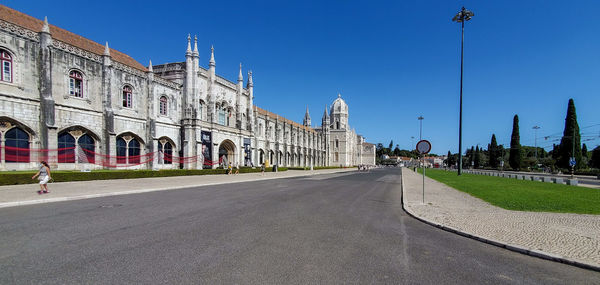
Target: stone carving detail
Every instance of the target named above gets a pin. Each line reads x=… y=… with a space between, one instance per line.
x=226 y=82
x=19 y=31
x=76 y=133
x=125 y=68
x=4 y=126
x=75 y=50
x=167 y=83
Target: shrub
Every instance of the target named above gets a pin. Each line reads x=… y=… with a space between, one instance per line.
x=14 y=178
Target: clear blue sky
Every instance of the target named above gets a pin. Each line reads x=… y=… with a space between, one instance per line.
x=391 y=60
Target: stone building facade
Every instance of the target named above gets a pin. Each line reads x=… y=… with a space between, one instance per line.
x=83 y=105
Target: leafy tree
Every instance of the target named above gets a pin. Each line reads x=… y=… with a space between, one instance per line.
x=596 y=157
x=397 y=150
x=515 y=146
x=584 y=151
x=571 y=139
x=379 y=150
x=493 y=152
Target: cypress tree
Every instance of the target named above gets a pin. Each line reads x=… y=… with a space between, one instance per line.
x=570 y=135
x=493 y=152
x=584 y=151
x=477 y=157
x=471 y=156
x=515 y=146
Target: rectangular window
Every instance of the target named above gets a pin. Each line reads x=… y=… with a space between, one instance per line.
x=7 y=72
x=221 y=117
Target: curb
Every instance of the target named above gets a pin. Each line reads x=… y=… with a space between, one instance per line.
x=139 y=191
x=511 y=247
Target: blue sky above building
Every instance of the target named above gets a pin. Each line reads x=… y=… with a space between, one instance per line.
x=391 y=60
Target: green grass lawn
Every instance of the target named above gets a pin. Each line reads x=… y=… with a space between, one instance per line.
x=522 y=195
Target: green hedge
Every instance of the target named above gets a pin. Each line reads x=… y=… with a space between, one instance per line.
x=14 y=178
x=319 y=167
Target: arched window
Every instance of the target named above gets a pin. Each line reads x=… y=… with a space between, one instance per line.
x=87 y=144
x=167 y=150
x=17 y=145
x=76 y=84
x=134 y=151
x=337 y=125
x=337 y=143
x=127 y=96
x=163 y=105
x=66 y=148
x=128 y=152
x=7 y=66
x=121 y=150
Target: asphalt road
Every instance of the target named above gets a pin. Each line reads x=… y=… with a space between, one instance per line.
x=327 y=229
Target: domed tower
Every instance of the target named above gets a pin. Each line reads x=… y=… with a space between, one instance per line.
x=339 y=114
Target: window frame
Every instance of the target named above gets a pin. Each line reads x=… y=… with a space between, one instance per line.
x=163 y=105
x=127 y=96
x=6 y=58
x=76 y=76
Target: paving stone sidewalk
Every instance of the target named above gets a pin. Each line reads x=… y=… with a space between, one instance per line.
x=569 y=237
x=18 y=195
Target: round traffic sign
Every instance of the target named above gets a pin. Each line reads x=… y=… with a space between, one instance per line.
x=423 y=146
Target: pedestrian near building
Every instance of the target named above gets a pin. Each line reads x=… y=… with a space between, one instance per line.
x=44 y=176
x=237 y=168
x=262 y=169
x=229 y=169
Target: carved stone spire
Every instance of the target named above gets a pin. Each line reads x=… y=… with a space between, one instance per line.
x=240 y=77
x=250 y=83
x=189 y=46
x=325 y=115
x=46 y=27
x=195 y=45
x=212 y=56
x=306 y=121
x=106 y=49
x=150 y=67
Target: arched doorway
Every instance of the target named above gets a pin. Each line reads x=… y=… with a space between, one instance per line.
x=261 y=157
x=227 y=152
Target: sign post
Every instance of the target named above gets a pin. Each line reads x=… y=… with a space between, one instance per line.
x=423 y=147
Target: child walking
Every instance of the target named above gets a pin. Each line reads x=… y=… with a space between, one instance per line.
x=44 y=177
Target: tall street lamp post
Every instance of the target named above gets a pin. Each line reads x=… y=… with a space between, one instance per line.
x=420 y=118
x=536 y=128
x=461 y=17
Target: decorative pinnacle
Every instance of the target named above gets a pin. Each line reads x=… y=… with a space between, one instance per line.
x=189 y=46
x=339 y=95
x=195 y=45
x=212 y=56
x=46 y=27
x=106 y=49
x=150 y=67
x=250 y=83
x=240 y=77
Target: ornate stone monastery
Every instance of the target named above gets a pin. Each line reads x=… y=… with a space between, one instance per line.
x=83 y=105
